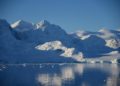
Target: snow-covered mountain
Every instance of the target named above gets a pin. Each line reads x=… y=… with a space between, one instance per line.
x=14 y=50
x=38 y=33
x=111 y=37
x=23 y=41
x=22 y=26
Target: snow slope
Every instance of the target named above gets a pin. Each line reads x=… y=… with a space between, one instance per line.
x=61 y=49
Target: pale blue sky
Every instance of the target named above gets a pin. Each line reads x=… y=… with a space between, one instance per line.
x=71 y=15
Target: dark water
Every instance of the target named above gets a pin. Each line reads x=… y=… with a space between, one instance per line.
x=60 y=75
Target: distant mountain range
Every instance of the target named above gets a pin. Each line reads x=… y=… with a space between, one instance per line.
x=24 y=42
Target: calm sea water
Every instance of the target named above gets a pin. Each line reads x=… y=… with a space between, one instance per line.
x=60 y=75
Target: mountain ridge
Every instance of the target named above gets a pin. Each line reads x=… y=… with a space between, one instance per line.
x=45 y=40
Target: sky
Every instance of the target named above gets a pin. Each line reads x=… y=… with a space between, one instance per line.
x=71 y=15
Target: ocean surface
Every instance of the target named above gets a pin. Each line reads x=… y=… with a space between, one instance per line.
x=60 y=74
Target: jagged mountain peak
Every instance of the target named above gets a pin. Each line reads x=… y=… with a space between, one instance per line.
x=22 y=25
x=20 y=22
x=42 y=24
x=49 y=28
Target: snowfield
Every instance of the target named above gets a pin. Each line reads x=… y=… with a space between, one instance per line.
x=25 y=42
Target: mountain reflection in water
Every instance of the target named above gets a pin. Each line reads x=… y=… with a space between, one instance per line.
x=62 y=74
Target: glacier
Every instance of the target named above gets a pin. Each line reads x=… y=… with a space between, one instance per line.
x=26 y=42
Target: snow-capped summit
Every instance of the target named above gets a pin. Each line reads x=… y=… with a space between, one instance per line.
x=22 y=25
x=49 y=28
x=109 y=31
x=107 y=34
x=42 y=24
x=81 y=33
x=104 y=30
